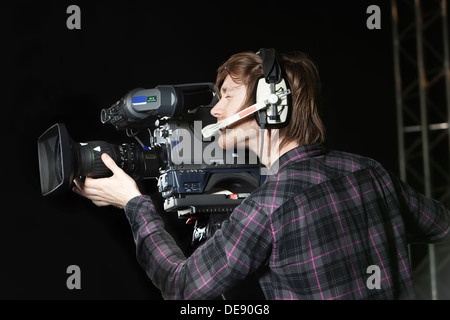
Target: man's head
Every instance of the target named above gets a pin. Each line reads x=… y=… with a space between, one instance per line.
x=236 y=83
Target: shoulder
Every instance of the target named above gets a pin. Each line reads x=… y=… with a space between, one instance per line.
x=275 y=191
x=350 y=161
x=299 y=176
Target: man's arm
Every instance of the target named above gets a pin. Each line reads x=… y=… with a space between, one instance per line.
x=235 y=251
x=426 y=220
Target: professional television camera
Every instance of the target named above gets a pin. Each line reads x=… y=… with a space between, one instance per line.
x=166 y=124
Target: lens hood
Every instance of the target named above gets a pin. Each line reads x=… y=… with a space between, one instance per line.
x=55 y=160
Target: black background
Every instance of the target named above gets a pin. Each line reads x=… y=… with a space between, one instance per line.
x=53 y=74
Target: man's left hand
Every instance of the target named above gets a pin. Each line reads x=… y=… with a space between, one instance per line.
x=116 y=190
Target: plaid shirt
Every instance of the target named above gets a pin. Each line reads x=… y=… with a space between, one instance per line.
x=311 y=231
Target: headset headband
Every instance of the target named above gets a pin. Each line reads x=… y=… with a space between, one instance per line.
x=271 y=66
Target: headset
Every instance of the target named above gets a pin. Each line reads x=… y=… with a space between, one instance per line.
x=273 y=101
x=277 y=114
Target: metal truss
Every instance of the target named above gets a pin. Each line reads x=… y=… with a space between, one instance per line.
x=422 y=84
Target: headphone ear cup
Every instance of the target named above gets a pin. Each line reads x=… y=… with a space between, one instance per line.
x=282 y=109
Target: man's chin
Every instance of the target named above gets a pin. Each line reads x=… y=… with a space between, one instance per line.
x=222 y=141
x=226 y=141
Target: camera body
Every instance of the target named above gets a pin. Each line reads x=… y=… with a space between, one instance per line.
x=194 y=175
x=199 y=168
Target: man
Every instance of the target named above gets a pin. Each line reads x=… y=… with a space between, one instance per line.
x=311 y=231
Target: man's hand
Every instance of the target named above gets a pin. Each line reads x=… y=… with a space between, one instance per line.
x=116 y=190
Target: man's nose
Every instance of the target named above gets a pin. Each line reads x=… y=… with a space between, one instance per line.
x=217 y=110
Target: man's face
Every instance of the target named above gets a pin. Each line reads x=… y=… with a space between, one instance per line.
x=232 y=97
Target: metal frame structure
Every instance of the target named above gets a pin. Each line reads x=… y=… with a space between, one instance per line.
x=422 y=84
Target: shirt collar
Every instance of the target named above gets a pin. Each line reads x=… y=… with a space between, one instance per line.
x=297 y=154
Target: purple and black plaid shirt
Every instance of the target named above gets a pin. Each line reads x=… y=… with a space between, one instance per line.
x=311 y=231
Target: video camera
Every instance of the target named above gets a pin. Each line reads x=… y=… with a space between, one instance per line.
x=166 y=124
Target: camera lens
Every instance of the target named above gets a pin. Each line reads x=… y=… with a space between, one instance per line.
x=88 y=159
x=128 y=156
x=61 y=159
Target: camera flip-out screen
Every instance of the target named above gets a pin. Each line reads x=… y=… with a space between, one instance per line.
x=54 y=159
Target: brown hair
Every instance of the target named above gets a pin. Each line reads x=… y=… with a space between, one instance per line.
x=305 y=125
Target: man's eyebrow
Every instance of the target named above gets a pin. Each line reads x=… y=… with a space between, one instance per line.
x=224 y=90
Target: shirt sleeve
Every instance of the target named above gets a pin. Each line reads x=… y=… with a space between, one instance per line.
x=240 y=247
x=426 y=220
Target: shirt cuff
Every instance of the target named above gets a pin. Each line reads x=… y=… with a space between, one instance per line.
x=135 y=205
